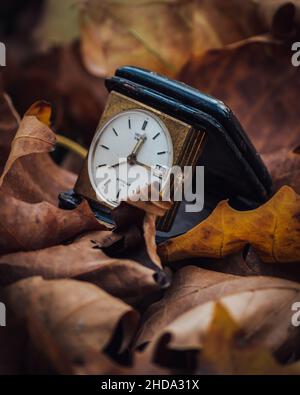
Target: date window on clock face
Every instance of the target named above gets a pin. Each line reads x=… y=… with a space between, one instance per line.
x=160 y=174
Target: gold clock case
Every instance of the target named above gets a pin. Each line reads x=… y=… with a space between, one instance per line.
x=187 y=147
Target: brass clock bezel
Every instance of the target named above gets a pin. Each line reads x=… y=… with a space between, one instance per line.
x=187 y=147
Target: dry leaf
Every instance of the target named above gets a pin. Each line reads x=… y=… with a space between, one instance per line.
x=261 y=86
x=272 y=230
x=225 y=351
x=24 y=172
x=25 y=180
x=32 y=137
x=82 y=326
x=122 y=278
x=136 y=222
x=161 y=35
x=262 y=307
x=25 y=226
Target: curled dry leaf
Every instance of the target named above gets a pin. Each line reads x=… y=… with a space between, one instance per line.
x=136 y=224
x=284 y=166
x=33 y=135
x=122 y=278
x=261 y=306
x=75 y=330
x=24 y=172
x=225 y=352
x=260 y=84
x=152 y=209
x=272 y=230
x=30 y=183
x=161 y=35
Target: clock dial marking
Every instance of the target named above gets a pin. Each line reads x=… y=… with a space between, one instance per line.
x=129 y=123
x=155 y=137
x=104 y=146
x=161 y=152
x=115 y=132
x=144 y=125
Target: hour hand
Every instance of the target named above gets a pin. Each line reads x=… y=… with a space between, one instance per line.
x=132 y=157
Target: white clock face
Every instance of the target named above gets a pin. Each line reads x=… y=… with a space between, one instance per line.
x=130 y=151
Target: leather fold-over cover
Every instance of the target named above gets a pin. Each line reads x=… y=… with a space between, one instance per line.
x=233 y=168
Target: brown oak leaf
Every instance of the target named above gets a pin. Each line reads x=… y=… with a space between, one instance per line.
x=122 y=278
x=68 y=334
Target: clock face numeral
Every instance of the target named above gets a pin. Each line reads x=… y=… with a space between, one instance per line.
x=134 y=141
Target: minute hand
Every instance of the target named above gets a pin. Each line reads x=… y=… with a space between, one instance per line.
x=144 y=165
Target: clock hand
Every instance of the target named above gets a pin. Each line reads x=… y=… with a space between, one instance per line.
x=132 y=157
x=136 y=162
x=119 y=163
x=143 y=164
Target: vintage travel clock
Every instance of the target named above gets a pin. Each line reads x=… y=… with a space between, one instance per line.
x=151 y=123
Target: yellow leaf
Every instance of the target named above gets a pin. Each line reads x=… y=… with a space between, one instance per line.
x=225 y=351
x=272 y=229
